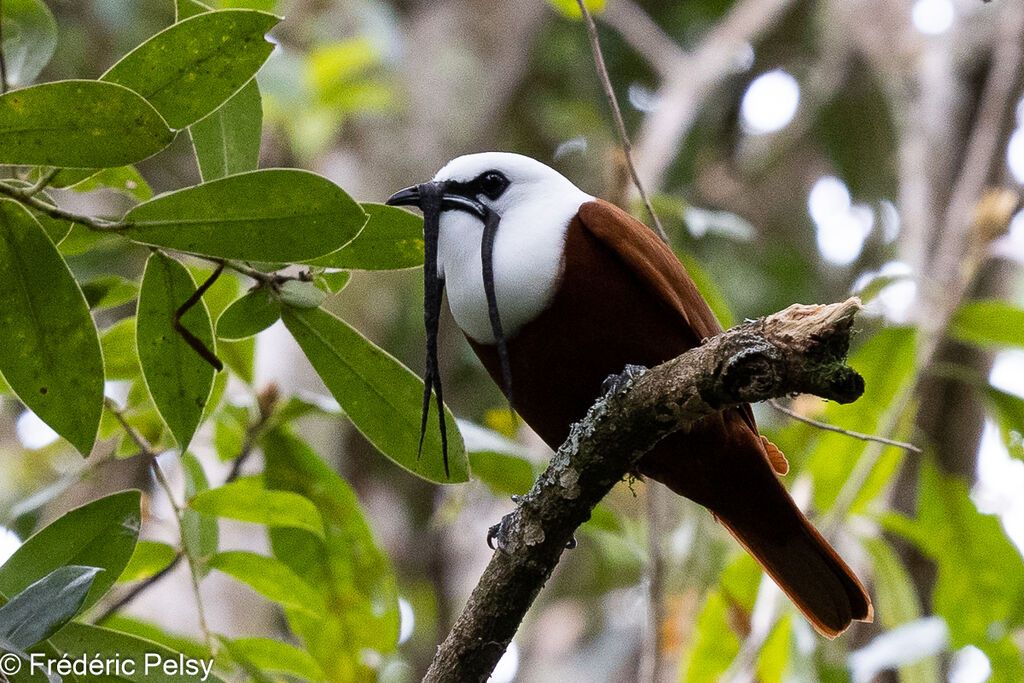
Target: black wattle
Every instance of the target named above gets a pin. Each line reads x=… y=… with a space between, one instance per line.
x=433 y=290
x=487 y=260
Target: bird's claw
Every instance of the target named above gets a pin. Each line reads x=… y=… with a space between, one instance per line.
x=497 y=535
x=612 y=384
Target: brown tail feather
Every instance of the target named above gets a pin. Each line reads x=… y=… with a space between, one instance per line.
x=814 y=577
x=725 y=466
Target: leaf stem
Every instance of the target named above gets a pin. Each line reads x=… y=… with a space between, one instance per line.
x=44 y=180
x=193 y=341
x=151 y=456
x=620 y=125
x=839 y=430
x=26 y=197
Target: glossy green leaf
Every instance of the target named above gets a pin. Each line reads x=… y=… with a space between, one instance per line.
x=109 y=291
x=200 y=533
x=179 y=379
x=29 y=39
x=228 y=140
x=109 y=126
x=120 y=358
x=990 y=323
x=248 y=503
x=41 y=609
x=192 y=67
x=381 y=396
x=273 y=655
x=125 y=180
x=149 y=559
x=350 y=571
x=82 y=639
x=392 y=239
x=51 y=355
x=250 y=315
x=270 y=215
x=99 y=534
x=271 y=578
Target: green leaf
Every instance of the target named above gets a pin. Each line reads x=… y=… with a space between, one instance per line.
x=381 y=396
x=200 y=533
x=250 y=315
x=270 y=215
x=144 y=629
x=99 y=534
x=56 y=229
x=82 y=639
x=29 y=39
x=228 y=140
x=192 y=67
x=979 y=587
x=149 y=559
x=271 y=578
x=714 y=644
x=40 y=610
x=503 y=473
x=1008 y=411
x=272 y=655
x=896 y=602
x=109 y=291
x=120 y=359
x=392 y=239
x=51 y=357
x=885 y=361
x=301 y=294
x=125 y=180
x=248 y=503
x=773 y=662
x=183 y=9
x=109 y=125
x=990 y=323
x=179 y=379
x=350 y=571
x=571 y=10
x=333 y=282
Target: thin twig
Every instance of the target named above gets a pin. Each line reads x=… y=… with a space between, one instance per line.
x=839 y=430
x=138 y=589
x=151 y=456
x=44 y=180
x=193 y=341
x=26 y=198
x=620 y=125
x=3 y=64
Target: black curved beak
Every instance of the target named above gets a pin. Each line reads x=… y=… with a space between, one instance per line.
x=411 y=196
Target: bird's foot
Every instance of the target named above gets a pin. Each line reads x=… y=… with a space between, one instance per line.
x=613 y=384
x=498 y=534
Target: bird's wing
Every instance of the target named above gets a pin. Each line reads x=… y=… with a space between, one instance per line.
x=651 y=261
x=654 y=264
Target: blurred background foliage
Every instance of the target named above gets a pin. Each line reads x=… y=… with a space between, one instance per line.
x=796 y=151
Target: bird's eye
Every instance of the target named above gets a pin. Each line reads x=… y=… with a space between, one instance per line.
x=492 y=184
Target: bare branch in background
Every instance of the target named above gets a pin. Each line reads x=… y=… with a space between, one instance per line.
x=620 y=126
x=692 y=79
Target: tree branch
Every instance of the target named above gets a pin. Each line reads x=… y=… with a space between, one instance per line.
x=799 y=350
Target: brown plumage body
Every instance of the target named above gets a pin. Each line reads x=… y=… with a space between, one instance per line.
x=624 y=298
